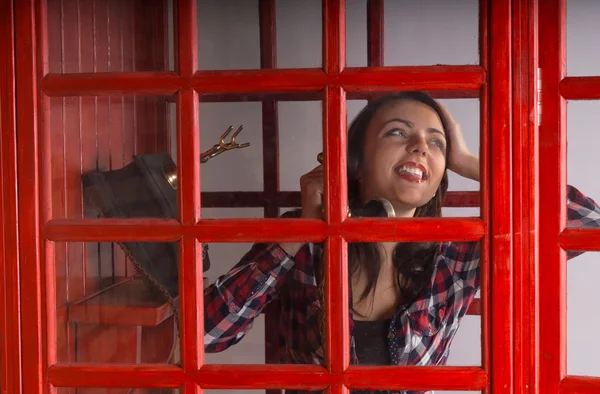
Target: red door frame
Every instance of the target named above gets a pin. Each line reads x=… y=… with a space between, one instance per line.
x=555 y=238
x=503 y=217
x=10 y=354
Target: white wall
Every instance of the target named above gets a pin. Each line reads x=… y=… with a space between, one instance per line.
x=416 y=33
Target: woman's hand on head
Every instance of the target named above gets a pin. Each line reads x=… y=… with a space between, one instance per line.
x=460 y=159
x=311 y=189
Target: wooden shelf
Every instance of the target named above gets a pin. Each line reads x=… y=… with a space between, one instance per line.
x=126 y=303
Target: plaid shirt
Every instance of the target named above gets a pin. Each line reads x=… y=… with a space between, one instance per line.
x=419 y=334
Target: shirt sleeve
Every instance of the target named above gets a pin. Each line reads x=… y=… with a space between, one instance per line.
x=463 y=258
x=582 y=211
x=235 y=299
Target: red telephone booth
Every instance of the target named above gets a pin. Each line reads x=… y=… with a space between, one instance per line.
x=88 y=85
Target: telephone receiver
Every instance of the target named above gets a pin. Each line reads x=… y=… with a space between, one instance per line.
x=377 y=208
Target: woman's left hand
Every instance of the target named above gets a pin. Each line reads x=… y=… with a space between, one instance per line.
x=460 y=159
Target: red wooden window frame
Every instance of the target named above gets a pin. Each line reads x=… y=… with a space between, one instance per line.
x=555 y=239
x=492 y=81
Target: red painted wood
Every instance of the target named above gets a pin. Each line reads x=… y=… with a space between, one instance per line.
x=579 y=385
x=293 y=199
x=416 y=378
x=270 y=146
x=334 y=36
x=249 y=230
x=94 y=375
x=485 y=184
x=501 y=242
x=552 y=191
x=525 y=198
x=580 y=88
x=337 y=327
x=126 y=303
x=10 y=356
x=475 y=308
x=389 y=79
x=315 y=96
x=377 y=79
x=188 y=153
x=375 y=10
x=33 y=351
x=580 y=239
x=282 y=376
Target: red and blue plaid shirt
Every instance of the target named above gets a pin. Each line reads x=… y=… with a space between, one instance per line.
x=419 y=334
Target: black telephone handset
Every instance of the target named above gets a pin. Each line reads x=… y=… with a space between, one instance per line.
x=378 y=208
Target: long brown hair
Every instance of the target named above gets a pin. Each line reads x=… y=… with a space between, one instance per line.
x=414 y=261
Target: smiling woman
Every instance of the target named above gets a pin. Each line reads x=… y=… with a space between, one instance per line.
x=399 y=149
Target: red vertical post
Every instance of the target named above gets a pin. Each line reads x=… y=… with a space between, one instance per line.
x=552 y=190
x=485 y=181
x=375 y=20
x=525 y=196
x=334 y=142
x=10 y=356
x=33 y=349
x=501 y=242
x=270 y=143
x=188 y=148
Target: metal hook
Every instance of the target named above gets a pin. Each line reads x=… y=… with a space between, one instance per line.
x=223 y=146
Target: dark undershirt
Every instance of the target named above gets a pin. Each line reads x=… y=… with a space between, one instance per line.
x=371 y=342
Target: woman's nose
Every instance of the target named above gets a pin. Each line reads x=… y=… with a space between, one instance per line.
x=418 y=145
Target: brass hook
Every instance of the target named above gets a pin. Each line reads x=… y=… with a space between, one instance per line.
x=222 y=146
x=170 y=172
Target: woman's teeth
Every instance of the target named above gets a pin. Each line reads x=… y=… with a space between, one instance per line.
x=411 y=170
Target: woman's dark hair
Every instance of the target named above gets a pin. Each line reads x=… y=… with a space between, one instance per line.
x=414 y=261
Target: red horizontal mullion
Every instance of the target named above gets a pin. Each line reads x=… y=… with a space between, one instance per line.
x=263 y=80
x=362 y=79
x=415 y=378
x=266 y=376
x=106 y=230
x=412 y=230
x=579 y=385
x=107 y=376
x=378 y=79
x=457 y=199
x=580 y=88
x=98 y=84
x=265 y=230
x=317 y=96
x=580 y=239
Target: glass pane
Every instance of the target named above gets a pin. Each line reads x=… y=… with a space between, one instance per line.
x=409 y=302
x=462 y=198
x=258 y=304
x=285 y=137
x=109 y=306
x=108 y=157
x=582 y=158
x=228 y=35
x=581 y=316
x=356 y=33
x=420 y=33
x=109 y=35
x=582 y=33
x=299 y=33
x=301 y=133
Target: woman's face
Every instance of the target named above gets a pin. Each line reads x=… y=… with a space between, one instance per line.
x=404 y=155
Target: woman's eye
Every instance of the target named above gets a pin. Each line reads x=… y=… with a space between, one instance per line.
x=438 y=144
x=399 y=132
